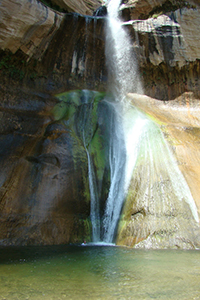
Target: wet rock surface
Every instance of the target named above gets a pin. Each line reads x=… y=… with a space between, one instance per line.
x=44 y=194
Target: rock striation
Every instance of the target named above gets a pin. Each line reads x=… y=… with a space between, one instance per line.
x=171 y=38
x=136 y=9
x=28 y=26
x=167 y=48
x=152 y=216
x=84 y=7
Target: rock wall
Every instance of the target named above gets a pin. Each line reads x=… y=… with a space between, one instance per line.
x=171 y=38
x=137 y=9
x=43 y=193
x=84 y=7
x=74 y=61
x=153 y=215
x=167 y=45
x=28 y=26
x=167 y=48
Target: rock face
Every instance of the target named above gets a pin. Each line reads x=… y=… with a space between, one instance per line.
x=44 y=191
x=172 y=38
x=39 y=183
x=153 y=216
x=167 y=48
x=27 y=26
x=136 y=9
x=168 y=53
x=70 y=61
x=80 y=6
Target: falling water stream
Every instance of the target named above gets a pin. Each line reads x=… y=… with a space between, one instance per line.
x=133 y=136
x=94 y=203
x=122 y=69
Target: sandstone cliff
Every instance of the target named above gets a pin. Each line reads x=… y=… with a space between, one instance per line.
x=27 y=26
x=152 y=216
x=44 y=52
x=81 y=6
x=136 y=9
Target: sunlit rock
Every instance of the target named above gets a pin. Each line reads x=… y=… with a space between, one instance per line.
x=142 y=9
x=172 y=38
x=155 y=214
x=27 y=25
x=136 y=8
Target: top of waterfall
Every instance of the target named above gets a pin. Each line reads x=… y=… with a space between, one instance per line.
x=113 y=8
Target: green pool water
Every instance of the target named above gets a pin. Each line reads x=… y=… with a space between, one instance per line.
x=91 y=272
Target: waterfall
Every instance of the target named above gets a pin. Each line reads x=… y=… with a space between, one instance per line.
x=94 y=202
x=85 y=127
x=120 y=57
x=123 y=78
x=117 y=161
x=136 y=147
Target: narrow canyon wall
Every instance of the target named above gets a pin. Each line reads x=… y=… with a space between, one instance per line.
x=44 y=192
x=64 y=51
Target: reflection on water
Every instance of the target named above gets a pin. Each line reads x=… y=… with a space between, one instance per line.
x=98 y=272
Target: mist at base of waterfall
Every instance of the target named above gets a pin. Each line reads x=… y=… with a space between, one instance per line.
x=99 y=244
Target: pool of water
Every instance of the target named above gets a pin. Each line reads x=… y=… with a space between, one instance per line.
x=98 y=272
